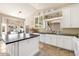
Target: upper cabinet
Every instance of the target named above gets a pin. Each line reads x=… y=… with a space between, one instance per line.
x=70 y=16
x=65 y=23
x=75 y=16
x=39 y=22
x=42 y=17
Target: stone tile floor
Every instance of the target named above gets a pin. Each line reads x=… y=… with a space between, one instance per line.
x=48 y=50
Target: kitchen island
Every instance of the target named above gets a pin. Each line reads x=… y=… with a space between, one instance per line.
x=23 y=46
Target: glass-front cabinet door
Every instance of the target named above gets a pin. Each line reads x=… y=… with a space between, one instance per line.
x=39 y=22
x=36 y=22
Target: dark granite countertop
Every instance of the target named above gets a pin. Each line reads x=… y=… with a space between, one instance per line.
x=26 y=38
x=76 y=35
x=35 y=35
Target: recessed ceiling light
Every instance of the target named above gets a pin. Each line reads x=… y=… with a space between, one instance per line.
x=20 y=12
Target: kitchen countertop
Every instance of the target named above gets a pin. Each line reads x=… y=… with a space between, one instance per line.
x=17 y=40
x=76 y=35
x=36 y=35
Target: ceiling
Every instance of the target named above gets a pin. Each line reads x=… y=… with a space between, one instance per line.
x=24 y=10
x=47 y=5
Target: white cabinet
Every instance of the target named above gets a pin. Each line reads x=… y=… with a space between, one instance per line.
x=23 y=47
x=68 y=43
x=42 y=37
x=33 y=46
x=65 y=42
x=65 y=23
x=16 y=48
x=48 y=38
x=53 y=40
x=75 y=16
x=26 y=47
x=76 y=46
x=70 y=16
x=39 y=22
x=61 y=41
x=29 y=47
x=12 y=49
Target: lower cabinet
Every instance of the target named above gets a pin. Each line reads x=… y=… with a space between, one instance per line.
x=59 y=41
x=23 y=47
x=26 y=47
x=53 y=40
x=42 y=38
x=48 y=38
x=65 y=42
x=68 y=43
x=12 y=49
x=29 y=47
x=76 y=46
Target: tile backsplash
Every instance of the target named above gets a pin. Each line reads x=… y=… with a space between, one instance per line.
x=71 y=30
